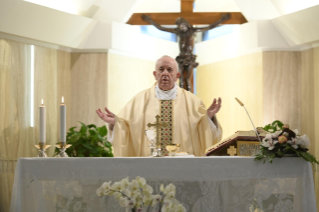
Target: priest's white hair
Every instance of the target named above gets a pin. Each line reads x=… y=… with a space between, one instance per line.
x=161 y=58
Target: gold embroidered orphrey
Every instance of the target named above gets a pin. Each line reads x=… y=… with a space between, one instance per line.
x=157 y=126
x=166 y=112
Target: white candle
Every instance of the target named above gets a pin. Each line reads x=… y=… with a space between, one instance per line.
x=42 y=123
x=63 y=122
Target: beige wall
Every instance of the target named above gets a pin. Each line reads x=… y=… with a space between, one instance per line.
x=89 y=87
x=310 y=104
x=127 y=76
x=240 y=77
x=281 y=88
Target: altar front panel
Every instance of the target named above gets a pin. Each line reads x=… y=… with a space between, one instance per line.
x=202 y=184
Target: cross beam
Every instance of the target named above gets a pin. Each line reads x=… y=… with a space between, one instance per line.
x=203 y=18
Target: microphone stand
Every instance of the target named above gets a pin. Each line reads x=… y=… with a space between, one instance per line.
x=241 y=104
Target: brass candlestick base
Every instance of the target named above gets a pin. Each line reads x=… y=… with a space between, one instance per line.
x=62 y=147
x=42 y=147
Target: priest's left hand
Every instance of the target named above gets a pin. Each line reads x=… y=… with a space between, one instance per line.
x=214 y=108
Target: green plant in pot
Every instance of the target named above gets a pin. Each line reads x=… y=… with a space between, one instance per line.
x=89 y=141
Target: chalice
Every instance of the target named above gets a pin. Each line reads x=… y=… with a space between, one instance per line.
x=151 y=136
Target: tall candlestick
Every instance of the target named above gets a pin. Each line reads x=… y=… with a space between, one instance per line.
x=63 y=122
x=42 y=123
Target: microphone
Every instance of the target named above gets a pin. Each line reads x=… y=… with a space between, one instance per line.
x=242 y=104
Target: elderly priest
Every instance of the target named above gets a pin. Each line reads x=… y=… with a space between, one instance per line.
x=188 y=122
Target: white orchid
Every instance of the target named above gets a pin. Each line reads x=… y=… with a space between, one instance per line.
x=100 y=192
x=117 y=195
x=133 y=186
x=296 y=131
x=117 y=186
x=123 y=202
x=137 y=195
x=268 y=142
x=293 y=142
x=305 y=141
x=157 y=198
x=170 y=188
x=148 y=200
x=105 y=188
x=141 y=181
x=268 y=136
x=180 y=208
x=124 y=183
x=107 y=185
x=147 y=189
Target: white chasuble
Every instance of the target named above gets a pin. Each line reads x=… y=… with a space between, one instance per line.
x=191 y=125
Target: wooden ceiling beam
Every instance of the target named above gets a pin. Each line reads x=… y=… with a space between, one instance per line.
x=203 y=18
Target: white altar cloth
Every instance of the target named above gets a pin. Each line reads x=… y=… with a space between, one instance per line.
x=203 y=184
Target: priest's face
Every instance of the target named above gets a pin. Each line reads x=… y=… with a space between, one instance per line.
x=166 y=73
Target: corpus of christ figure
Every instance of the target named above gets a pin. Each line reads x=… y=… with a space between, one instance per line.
x=186 y=33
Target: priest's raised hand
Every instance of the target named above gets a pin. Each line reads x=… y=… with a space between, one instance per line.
x=214 y=108
x=108 y=117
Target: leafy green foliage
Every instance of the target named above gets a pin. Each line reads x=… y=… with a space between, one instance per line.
x=89 y=141
x=273 y=127
x=280 y=150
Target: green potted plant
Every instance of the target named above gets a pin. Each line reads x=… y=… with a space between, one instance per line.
x=89 y=141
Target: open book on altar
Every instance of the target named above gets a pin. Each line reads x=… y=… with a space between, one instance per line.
x=243 y=143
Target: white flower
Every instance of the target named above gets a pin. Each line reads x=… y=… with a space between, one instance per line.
x=117 y=186
x=100 y=192
x=147 y=189
x=170 y=195
x=167 y=205
x=305 y=141
x=274 y=135
x=124 y=183
x=157 y=198
x=162 y=188
x=268 y=142
x=293 y=143
x=296 y=131
x=105 y=188
x=181 y=208
x=148 y=200
x=123 y=202
x=268 y=136
x=141 y=181
x=131 y=203
x=117 y=195
x=127 y=192
x=133 y=186
x=170 y=188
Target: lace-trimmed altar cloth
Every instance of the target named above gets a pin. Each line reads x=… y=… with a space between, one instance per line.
x=204 y=184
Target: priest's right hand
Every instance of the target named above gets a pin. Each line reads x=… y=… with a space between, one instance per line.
x=108 y=117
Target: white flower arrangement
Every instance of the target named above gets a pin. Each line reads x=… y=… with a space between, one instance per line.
x=282 y=142
x=138 y=196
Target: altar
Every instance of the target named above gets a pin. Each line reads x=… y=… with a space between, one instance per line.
x=203 y=184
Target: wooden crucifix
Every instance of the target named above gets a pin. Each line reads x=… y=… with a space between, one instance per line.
x=198 y=18
x=158 y=125
x=186 y=32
